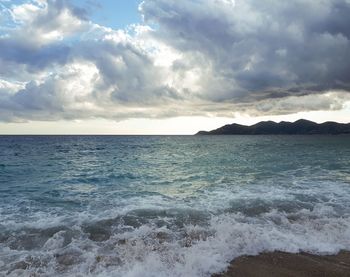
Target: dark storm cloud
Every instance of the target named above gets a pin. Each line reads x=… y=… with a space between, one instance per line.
x=260 y=46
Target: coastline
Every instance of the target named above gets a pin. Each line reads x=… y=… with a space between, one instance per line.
x=283 y=264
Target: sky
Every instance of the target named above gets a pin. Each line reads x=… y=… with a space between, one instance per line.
x=170 y=66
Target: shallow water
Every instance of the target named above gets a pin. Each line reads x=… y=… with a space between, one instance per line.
x=167 y=206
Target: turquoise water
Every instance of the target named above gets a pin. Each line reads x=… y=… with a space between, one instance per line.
x=167 y=206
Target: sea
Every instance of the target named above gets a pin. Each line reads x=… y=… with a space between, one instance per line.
x=167 y=205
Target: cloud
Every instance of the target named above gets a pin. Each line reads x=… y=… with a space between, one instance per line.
x=196 y=57
x=37 y=40
x=260 y=47
x=42 y=22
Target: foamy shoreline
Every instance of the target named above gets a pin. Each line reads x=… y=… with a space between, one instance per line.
x=283 y=264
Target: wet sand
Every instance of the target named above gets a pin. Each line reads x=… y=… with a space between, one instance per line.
x=280 y=264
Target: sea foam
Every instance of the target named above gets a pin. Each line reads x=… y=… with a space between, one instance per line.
x=157 y=206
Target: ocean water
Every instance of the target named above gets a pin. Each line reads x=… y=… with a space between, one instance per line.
x=167 y=206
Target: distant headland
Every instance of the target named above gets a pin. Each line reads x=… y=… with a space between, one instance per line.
x=299 y=127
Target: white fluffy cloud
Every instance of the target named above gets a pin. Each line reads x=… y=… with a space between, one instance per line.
x=200 y=57
x=46 y=22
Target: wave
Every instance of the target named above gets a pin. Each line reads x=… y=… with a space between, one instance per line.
x=164 y=243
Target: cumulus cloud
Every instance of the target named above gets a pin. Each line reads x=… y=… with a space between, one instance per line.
x=199 y=57
x=36 y=41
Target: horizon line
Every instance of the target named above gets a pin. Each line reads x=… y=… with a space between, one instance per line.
x=150 y=135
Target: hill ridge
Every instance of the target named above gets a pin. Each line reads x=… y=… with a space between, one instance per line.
x=299 y=127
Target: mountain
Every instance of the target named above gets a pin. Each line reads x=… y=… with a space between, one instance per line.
x=300 y=127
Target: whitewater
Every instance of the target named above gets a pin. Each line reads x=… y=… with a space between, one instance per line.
x=167 y=205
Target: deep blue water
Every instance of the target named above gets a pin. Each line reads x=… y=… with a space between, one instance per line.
x=167 y=205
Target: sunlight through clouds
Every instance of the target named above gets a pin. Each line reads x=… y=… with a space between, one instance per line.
x=188 y=58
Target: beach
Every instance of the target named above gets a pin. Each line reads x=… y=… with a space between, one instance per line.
x=281 y=264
